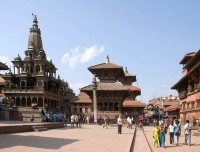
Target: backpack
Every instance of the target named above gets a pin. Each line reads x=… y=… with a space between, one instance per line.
x=177 y=130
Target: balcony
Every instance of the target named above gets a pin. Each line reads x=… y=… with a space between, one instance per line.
x=28 y=89
x=182 y=94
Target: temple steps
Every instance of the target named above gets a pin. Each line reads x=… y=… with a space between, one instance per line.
x=39 y=128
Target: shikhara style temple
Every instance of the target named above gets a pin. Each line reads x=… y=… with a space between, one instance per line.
x=34 y=79
x=115 y=93
x=188 y=86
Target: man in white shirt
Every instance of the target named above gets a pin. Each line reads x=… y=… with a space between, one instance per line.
x=171 y=132
x=72 y=121
x=187 y=133
x=119 y=124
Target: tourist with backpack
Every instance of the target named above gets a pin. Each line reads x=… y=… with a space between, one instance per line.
x=177 y=132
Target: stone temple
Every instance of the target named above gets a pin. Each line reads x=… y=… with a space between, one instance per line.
x=34 y=79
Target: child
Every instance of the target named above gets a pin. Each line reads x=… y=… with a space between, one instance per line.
x=156 y=132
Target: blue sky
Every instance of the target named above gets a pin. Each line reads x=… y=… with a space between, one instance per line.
x=150 y=37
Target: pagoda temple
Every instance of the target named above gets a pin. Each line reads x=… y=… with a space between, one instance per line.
x=34 y=79
x=115 y=93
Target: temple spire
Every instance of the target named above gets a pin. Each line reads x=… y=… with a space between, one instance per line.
x=35 y=39
x=107 y=59
x=35 y=21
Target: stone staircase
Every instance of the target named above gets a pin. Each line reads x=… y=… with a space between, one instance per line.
x=39 y=128
x=27 y=112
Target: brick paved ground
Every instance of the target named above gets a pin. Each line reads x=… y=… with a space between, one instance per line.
x=91 y=138
x=195 y=147
x=141 y=144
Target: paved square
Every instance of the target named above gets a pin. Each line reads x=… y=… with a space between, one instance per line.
x=90 y=138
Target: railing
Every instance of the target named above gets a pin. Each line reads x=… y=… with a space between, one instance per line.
x=23 y=89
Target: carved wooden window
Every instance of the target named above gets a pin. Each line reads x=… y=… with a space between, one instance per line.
x=181 y=106
x=192 y=103
x=198 y=103
x=188 y=105
x=184 y=106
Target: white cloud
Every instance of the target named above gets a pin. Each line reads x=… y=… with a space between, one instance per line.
x=81 y=56
x=163 y=86
x=76 y=87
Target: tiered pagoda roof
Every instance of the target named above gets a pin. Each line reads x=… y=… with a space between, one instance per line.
x=82 y=98
x=114 y=82
x=3 y=66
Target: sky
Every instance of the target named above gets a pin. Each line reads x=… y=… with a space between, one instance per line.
x=149 y=37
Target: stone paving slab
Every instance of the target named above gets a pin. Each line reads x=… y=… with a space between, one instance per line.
x=195 y=147
x=90 y=138
x=141 y=144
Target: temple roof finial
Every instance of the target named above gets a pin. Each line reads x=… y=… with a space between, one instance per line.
x=126 y=70
x=35 y=40
x=107 y=59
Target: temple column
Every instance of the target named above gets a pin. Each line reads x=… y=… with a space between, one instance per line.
x=26 y=101
x=15 y=101
x=18 y=69
x=43 y=102
x=20 y=101
x=37 y=101
x=14 y=69
x=94 y=87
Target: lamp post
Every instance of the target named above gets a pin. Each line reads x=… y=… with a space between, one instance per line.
x=94 y=87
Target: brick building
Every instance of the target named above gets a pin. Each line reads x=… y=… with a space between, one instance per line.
x=188 y=86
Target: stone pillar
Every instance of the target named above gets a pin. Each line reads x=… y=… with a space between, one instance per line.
x=20 y=101
x=15 y=101
x=25 y=83
x=37 y=101
x=43 y=102
x=26 y=101
x=18 y=70
x=94 y=86
x=14 y=69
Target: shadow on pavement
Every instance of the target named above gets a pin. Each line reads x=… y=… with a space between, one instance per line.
x=33 y=141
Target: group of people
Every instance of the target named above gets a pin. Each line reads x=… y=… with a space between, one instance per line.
x=174 y=131
x=78 y=120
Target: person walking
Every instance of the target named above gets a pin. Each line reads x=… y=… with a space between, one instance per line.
x=88 y=120
x=177 y=132
x=141 y=125
x=105 y=122
x=128 y=124
x=171 y=132
x=187 y=132
x=76 y=120
x=72 y=121
x=162 y=136
x=119 y=124
x=156 y=132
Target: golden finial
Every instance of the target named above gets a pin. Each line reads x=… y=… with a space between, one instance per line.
x=107 y=60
